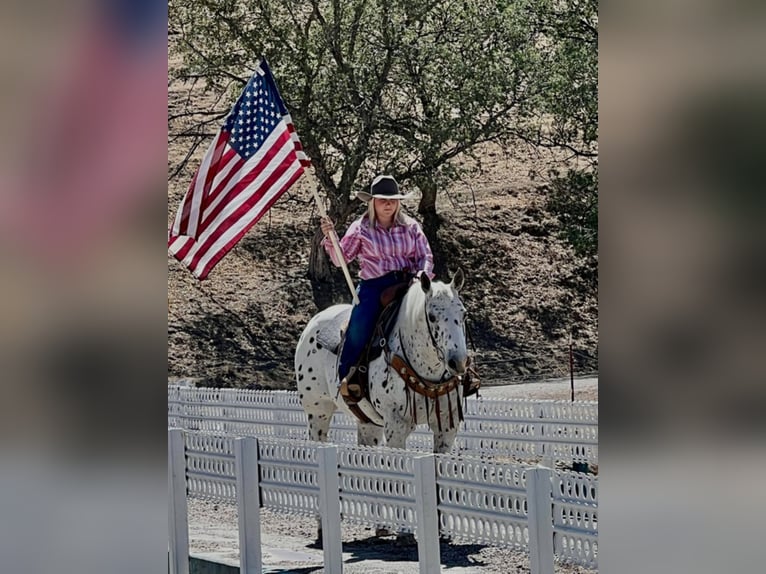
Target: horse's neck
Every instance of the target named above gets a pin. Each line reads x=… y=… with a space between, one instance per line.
x=414 y=336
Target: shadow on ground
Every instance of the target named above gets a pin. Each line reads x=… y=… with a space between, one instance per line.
x=306 y=570
x=385 y=550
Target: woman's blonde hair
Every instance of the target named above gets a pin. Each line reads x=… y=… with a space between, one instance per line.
x=372 y=218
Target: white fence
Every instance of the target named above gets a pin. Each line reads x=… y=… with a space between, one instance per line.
x=551 y=514
x=524 y=429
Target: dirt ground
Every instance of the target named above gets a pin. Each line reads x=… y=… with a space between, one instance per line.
x=287 y=540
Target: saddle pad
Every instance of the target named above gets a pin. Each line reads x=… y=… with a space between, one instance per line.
x=330 y=332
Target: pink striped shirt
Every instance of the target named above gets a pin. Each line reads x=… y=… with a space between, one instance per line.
x=380 y=251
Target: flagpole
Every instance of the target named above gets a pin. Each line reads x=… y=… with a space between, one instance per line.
x=338 y=252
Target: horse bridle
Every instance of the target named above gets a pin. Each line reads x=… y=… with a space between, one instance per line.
x=447 y=376
x=439 y=350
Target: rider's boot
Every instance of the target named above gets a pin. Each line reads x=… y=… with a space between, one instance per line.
x=350 y=387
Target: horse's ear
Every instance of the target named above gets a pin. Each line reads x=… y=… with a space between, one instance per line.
x=425 y=282
x=458 y=280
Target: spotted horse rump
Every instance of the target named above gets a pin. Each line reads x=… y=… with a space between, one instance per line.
x=420 y=378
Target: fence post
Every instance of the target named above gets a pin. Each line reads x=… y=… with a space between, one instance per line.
x=543 y=447
x=248 y=505
x=178 y=517
x=429 y=557
x=329 y=508
x=539 y=508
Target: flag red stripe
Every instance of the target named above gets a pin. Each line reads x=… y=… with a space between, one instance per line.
x=209 y=176
x=226 y=248
x=246 y=180
x=227 y=157
x=187 y=201
x=187 y=245
x=221 y=227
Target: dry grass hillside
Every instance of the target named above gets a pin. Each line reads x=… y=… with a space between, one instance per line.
x=526 y=292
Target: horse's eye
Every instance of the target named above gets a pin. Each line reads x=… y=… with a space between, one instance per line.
x=432 y=317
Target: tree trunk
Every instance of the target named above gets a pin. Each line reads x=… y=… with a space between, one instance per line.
x=428 y=199
x=326 y=286
x=320 y=266
x=431 y=224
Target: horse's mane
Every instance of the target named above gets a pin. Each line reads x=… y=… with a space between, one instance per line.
x=415 y=296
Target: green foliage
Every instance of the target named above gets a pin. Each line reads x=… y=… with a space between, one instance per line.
x=405 y=87
x=402 y=86
x=563 y=112
x=574 y=199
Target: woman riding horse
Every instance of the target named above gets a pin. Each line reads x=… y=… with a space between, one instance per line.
x=391 y=248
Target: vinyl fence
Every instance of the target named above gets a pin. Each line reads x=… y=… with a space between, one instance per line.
x=524 y=429
x=550 y=514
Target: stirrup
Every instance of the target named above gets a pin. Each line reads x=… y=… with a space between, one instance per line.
x=351 y=391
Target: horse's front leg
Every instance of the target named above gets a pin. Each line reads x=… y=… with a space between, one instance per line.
x=444 y=439
x=397 y=429
x=368 y=434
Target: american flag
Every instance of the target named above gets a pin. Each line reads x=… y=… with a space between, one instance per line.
x=253 y=160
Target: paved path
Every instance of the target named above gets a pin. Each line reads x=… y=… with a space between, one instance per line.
x=560 y=389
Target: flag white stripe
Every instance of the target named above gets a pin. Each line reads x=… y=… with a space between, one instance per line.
x=179 y=243
x=225 y=170
x=245 y=168
x=235 y=203
x=176 y=229
x=297 y=140
x=251 y=215
x=294 y=135
x=197 y=195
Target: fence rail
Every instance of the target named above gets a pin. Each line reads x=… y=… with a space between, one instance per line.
x=548 y=513
x=523 y=429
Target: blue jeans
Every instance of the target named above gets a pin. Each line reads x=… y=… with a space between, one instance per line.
x=361 y=324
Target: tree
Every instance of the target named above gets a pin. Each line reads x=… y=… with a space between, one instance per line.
x=564 y=110
x=563 y=114
x=574 y=197
x=374 y=86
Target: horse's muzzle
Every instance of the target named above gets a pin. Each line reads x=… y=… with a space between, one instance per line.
x=457 y=366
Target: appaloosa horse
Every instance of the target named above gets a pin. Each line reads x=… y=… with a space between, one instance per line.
x=417 y=379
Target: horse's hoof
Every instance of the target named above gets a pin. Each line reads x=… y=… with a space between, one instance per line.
x=405 y=539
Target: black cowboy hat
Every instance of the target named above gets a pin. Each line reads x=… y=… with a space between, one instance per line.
x=383 y=187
